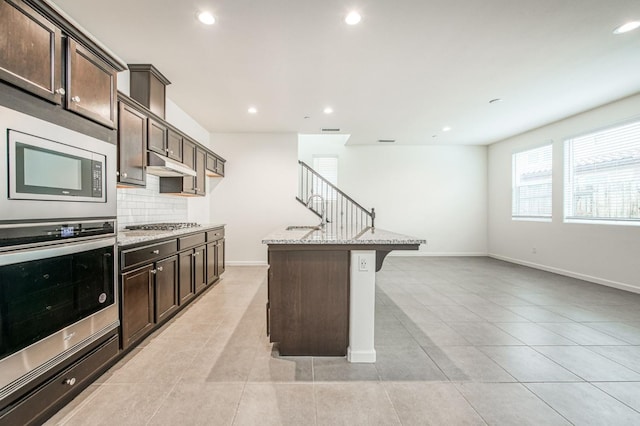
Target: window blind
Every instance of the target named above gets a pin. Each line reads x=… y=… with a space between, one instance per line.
x=602 y=175
x=532 y=187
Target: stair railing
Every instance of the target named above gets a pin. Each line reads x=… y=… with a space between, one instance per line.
x=342 y=212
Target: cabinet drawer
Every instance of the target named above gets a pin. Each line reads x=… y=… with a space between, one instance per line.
x=57 y=388
x=147 y=254
x=216 y=234
x=191 y=240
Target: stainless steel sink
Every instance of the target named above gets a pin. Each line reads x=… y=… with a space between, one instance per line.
x=302 y=227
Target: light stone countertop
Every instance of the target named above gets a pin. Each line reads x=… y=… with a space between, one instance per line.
x=330 y=236
x=130 y=237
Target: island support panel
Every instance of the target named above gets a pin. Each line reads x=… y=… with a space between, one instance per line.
x=309 y=301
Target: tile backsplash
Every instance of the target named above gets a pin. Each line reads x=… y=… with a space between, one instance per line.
x=147 y=205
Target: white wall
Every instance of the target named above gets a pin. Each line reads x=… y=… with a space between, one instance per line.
x=257 y=194
x=435 y=192
x=606 y=254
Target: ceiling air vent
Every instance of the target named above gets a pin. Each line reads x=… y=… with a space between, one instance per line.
x=386 y=140
x=330 y=130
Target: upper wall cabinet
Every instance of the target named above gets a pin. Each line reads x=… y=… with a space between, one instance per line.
x=132 y=146
x=91 y=85
x=30 y=51
x=43 y=53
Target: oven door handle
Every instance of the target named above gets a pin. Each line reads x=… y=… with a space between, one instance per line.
x=44 y=252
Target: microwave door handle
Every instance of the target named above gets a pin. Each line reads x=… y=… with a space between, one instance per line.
x=38 y=253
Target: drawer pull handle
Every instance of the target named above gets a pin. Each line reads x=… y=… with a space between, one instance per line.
x=153 y=271
x=61 y=91
x=156 y=252
x=76 y=99
x=70 y=382
x=159 y=268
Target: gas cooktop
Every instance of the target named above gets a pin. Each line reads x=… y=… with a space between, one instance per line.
x=169 y=226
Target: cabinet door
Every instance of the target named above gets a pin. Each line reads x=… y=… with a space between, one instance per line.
x=30 y=51
x=157 y=137
x=137 y=304
x=189 y=159
x=132 y=142
x=200 y=268
x=211 y=165
x=212 y=260
x=185 y=278
x=201 y=172
x=174 y=145
x=166 y=290
x=220 y=263
x=91 y=85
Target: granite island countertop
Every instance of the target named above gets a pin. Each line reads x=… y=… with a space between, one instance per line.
x=367 y=236
x=133 y=237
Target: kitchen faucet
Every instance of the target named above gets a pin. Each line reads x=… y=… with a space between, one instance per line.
x=324 y=208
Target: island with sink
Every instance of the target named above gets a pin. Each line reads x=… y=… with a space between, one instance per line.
x=321 y=295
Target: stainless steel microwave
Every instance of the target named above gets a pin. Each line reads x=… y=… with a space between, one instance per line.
x=41 y=169
x=52 y=172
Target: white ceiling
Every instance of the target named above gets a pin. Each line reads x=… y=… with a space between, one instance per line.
x=407 y=70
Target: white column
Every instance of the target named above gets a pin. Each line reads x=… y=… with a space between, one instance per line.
x=362 y=306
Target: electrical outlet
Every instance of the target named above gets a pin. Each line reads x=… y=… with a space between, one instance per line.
x=362 y=264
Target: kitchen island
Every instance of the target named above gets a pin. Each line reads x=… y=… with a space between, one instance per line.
x=321 y=296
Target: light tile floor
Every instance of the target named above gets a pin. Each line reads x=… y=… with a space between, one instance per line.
x=460 y=341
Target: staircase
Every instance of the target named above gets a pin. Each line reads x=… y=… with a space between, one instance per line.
x=343 y=214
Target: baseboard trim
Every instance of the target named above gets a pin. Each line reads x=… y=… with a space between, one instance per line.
x=417 y=253
x=246 y=263
x=567 y=273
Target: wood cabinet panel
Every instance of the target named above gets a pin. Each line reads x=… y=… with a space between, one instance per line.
x=132 y=146
x=174 y=145
x=137 y=304
x=309 y=301
x=91 y=85
x=166 y=287
x=212 y=261
x=220 y=267
x=30 y=51
x=200 y=268
x=157 y=137
x=185 y=287
x=201 y=172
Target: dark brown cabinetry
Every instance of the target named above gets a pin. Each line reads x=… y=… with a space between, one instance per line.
x=189 y=160
x=199 y=183
x=174 y=146
x=186 y=290
x=148 y=86
x=30 y=51
x=157 y=137
x=308 y=301
x=132 y=146
x=91 y=85
x=214 y=166
x=166 y=287
x=137 y=304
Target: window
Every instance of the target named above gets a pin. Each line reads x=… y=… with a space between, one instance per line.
x=602 y=175
x=531 y=198
x=327 y=167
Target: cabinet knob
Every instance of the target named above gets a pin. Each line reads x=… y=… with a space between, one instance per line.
x=75 y=99
x=70 y=382
x=196 y=253
x=170 y=152
x=61 y=91
x=159 y=268
x=124 y=175
x=117 y=173
x=156 y=252
x=153 y=271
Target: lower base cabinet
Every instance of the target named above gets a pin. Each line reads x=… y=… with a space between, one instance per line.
x=137 y=304
x=166 y=288
x=186 y=290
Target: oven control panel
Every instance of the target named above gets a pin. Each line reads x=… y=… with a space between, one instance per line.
x=35 y=233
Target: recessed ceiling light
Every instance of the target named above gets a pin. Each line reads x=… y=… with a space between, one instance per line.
x=446 y=128
x=629 y=26
x=352 y=18
x=252 y=110
x=328 y=110
x=206 y=18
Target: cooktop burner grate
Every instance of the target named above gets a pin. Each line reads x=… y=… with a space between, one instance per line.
x=170 y=226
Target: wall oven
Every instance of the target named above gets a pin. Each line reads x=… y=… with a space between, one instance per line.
x=48 y=171
x=57 y=294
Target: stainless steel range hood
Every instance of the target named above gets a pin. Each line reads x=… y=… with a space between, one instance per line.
x=164 y=166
